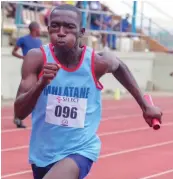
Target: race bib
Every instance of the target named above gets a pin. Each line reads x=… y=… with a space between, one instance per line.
x=66 y=111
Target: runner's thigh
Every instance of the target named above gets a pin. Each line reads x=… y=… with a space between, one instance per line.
x=64 y=169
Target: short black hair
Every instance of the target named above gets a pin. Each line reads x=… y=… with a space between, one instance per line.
x=69 y=8
x=33 y=25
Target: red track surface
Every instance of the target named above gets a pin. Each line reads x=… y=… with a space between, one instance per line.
x=130 y=149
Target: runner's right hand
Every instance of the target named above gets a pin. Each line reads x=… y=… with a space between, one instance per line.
x=49 y=72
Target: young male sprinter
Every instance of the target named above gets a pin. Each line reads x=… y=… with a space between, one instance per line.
x=60 y=86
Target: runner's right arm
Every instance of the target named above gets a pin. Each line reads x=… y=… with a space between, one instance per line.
x=30 y=86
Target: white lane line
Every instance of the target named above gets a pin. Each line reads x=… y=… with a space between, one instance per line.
x=4 y=117
x=131 y=130
x=100 y=135
x=105 y=156
x=15 y=130
x=14 y=148
x=16 y=174
x=136 y=149
x=103 y=120
x=158 y=174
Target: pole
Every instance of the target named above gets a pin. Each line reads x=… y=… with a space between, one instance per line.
x=134 y=17
x=18 y=14
x=142 y=14
x=84 y=15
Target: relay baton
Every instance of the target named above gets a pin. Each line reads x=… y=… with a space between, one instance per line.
x=155 y=122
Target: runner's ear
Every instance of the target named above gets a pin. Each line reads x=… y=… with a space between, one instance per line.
x=82 y=32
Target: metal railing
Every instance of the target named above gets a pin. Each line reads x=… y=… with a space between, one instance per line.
x=153 y=29
x=145 y=17
x=118 y=34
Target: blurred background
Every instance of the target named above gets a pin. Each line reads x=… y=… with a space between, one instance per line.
x=140 y=33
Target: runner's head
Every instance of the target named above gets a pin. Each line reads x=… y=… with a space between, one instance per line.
x=65 y=27
x=34 y=28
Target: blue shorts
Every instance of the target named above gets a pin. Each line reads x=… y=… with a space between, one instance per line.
x=82 y=162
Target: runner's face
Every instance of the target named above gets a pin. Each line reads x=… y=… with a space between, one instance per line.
x=64 y=29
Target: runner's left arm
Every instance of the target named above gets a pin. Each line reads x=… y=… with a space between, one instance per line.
x=107 y=64
x=122 y=73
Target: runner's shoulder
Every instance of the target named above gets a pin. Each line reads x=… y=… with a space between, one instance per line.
x=100 y=65
x=34 y=57
x=35 y=53
x=106 y=61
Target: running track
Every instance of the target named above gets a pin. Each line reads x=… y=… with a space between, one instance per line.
x=130 y=149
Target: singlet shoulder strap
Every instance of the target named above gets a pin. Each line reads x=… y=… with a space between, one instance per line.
x=97 y=82
x=44 y=60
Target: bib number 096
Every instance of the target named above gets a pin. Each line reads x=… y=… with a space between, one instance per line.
x=66 y=112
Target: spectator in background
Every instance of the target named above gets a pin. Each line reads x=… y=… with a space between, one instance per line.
x=11 y=10
x=125 y=24
x=107 y=20
x=79 y=4
x=34 y=8
x=97 y=20
x=122 y=26
x=96 y=23
x=85 y=15
x=27 y=43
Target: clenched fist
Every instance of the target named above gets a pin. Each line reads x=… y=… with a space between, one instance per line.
x=152 y=112
x=49 y=72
